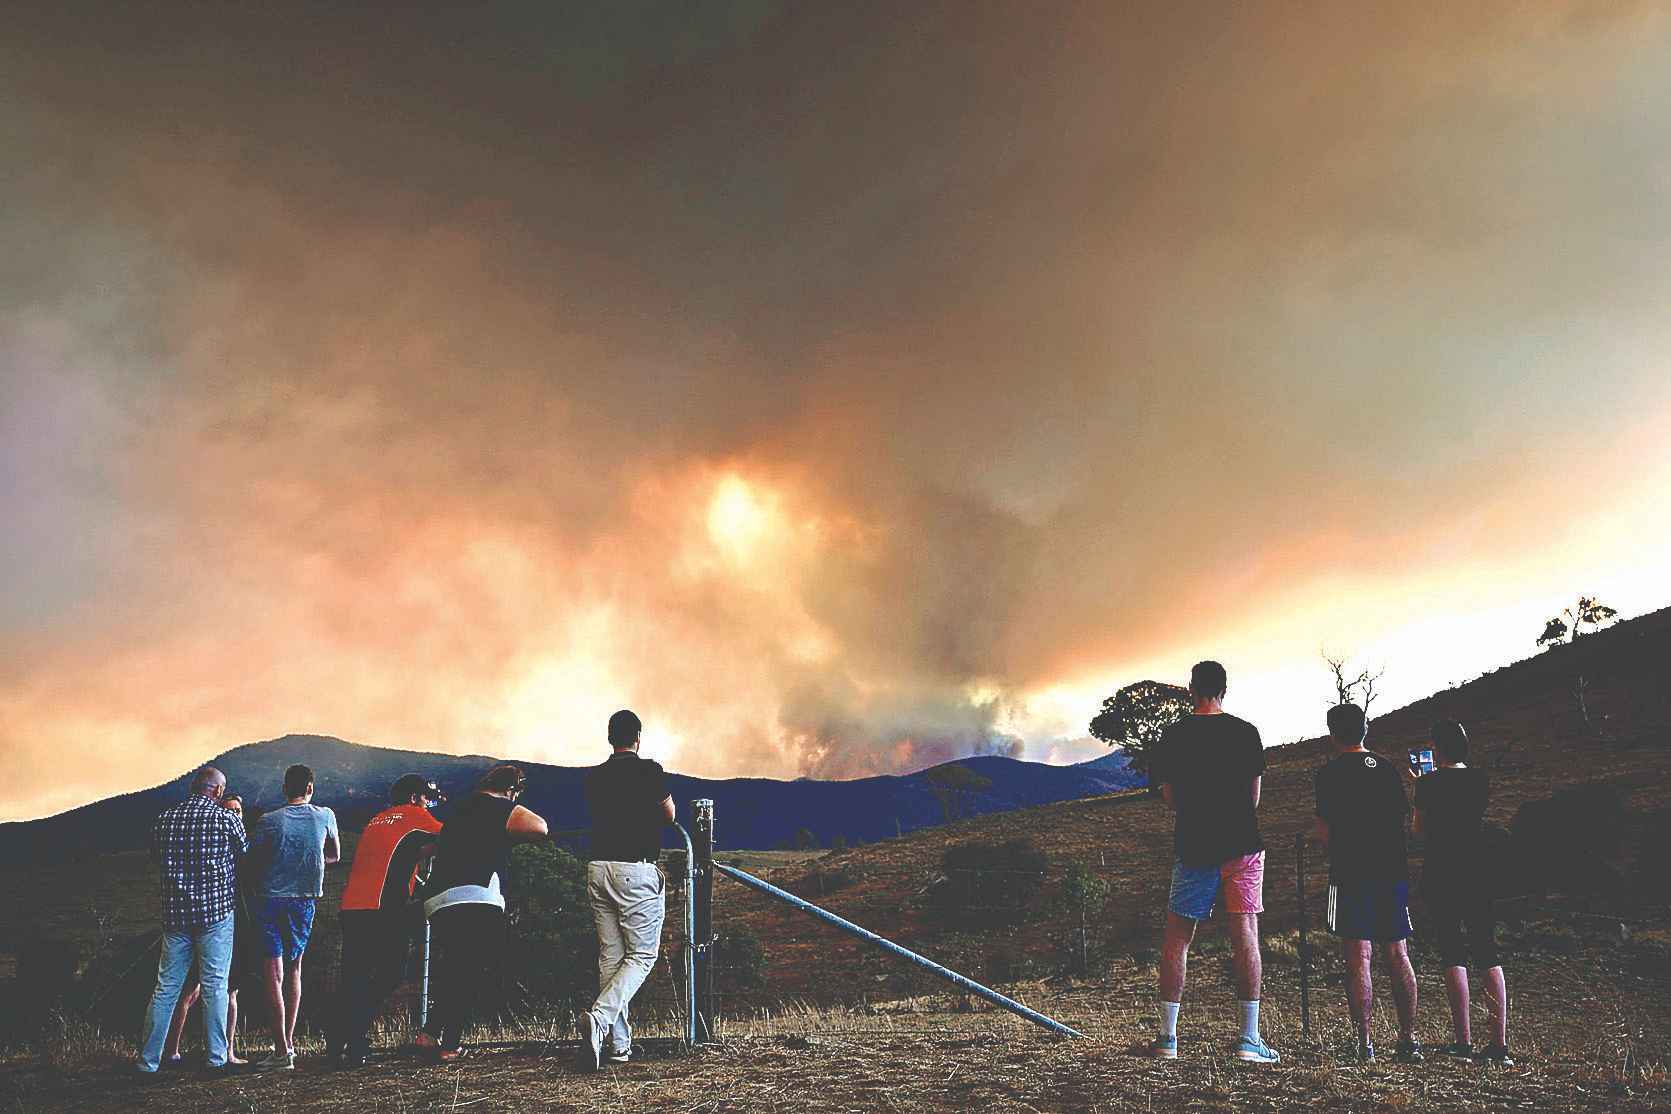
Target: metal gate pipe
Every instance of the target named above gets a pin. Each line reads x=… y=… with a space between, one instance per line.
x=887 y=945
x=690 y=938
x=423 y=983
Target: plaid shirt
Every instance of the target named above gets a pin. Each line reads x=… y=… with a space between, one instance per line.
x=198 y=842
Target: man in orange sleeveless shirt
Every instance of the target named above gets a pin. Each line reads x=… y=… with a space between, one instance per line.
x=377 y=919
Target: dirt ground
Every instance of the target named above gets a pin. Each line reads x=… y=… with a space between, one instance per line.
x=1591 y=1025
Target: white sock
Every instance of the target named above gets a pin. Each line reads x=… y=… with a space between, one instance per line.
x=1250 y=1020
x=1169 y=1019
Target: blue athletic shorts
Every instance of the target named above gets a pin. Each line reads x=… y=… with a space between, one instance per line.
x=285 y=924
x=1378 y=911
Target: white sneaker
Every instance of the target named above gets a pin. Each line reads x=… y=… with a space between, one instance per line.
x=276 y=1061
x=591 y=1043
x=1256 y=1052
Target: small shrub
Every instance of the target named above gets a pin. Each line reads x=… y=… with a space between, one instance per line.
x=553 y=946
x=1564 y=842
x=740 y=960
x=987 y=884
x=1004 y=964
x=1653 y=865
x=45 y=983
x=70 y=1044
x=1085 y=893
x=822 y=882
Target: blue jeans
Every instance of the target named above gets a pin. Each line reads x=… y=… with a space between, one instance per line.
x=213 y=948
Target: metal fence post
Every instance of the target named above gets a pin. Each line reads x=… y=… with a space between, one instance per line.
x=702 y=941
x=423 y=977
x=1305 y=946
x=690 y=938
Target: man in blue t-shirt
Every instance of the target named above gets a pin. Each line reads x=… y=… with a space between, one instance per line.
x=291 y=847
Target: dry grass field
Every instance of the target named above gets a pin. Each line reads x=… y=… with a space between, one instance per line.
x=837 y=1026
x=1590 y=1028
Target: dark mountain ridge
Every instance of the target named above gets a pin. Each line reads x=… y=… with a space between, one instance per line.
x=353 y=779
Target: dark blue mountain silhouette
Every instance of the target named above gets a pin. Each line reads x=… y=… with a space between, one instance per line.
x=1114 y=762
x=749 y=812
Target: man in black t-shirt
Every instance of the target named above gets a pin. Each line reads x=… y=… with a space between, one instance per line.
x=1210 y=765
x=1450 y=817
x=629 y=803
x=1361 y=810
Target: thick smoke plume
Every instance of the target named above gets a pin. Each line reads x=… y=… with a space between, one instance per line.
x=844 y=391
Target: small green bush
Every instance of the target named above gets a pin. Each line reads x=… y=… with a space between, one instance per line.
x=553 y=946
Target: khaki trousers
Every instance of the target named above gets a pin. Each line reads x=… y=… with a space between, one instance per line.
x=629 y=904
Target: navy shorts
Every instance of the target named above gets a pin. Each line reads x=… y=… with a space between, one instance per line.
x=1378 y=911
x=285 y=924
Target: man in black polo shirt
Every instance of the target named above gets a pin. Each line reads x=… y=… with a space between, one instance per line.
x=1361 y=809
x=629 y=803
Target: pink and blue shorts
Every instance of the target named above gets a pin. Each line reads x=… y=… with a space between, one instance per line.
x=1195 y=889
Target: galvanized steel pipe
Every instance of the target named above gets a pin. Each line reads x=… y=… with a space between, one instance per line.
x=887 y=945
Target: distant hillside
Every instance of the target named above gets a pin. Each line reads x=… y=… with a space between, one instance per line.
x=1115 y=761
x=1528 y=732
x=1628 y=697
x=756 y=812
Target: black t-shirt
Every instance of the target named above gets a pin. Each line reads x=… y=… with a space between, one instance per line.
x=1360 y=795
x=1452 y=804
x=1210 y=762
x=473 y=845
x=624 y=796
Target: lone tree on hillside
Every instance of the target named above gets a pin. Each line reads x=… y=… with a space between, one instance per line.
x=1359 y=690
x=1567 y=626
x=1134 y=718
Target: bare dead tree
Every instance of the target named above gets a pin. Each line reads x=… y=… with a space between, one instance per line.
x=1349 y=689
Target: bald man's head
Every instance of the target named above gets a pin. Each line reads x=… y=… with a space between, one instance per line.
x=208 y=782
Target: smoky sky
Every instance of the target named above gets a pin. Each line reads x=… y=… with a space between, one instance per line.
x=819 y=380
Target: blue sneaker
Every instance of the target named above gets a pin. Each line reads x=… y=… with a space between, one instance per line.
x=1256 y=1052
x=1164 y=1047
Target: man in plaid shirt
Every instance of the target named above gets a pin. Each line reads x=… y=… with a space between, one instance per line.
x=197 y=843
